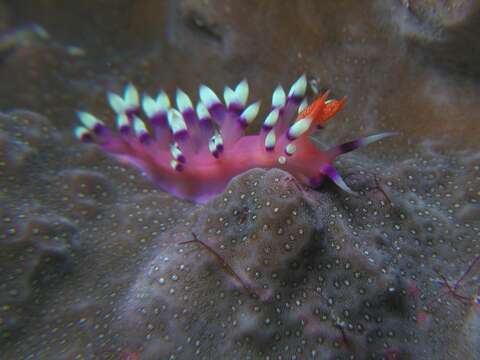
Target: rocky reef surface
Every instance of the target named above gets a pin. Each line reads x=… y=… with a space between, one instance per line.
x=96 y=263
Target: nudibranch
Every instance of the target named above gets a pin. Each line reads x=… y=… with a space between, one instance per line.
x=193 y=151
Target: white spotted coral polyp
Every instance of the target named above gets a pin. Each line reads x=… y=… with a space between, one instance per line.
x=193 y=152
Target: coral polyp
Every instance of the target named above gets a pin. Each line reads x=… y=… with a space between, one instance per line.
x=193 y=152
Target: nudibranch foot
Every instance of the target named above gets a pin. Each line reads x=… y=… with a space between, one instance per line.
x=192 y=151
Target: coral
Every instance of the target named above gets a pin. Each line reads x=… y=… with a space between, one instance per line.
x=441 y=32
x=36 y=242
x=279 y=272
x=56 y=260
x=184 y=153
x=268 y=269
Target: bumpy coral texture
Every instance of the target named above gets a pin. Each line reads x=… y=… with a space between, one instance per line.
x=98 y=263
x=193 y=154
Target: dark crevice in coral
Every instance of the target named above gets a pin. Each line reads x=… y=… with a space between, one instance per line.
x=196 y=22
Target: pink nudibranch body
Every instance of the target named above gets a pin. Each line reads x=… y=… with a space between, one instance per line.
x=193 y=153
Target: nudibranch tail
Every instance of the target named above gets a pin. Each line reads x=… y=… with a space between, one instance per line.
x=192 y=151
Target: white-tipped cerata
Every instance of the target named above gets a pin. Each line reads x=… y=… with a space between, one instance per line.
x=163 y=102
x=177 y=153
x=303 y=105
x=88 y=120
x=122 y=122
x=271 y=119
x=140 y=129
x=250 y=113
x=218 y=141
x=131 y=96
x=117 y=103
x=176 y=122
x=215 y=145
x=207 y=96
x=299 y=87
x=176 y=165
x=299 y=128
x=279 y=97
x=183 y=101
x=290 y=149
x=150 y=107
x=202 y=112
x=270 y=140
x=81 y=132
x=241 y=92
x=229 y=96
x=212 y=146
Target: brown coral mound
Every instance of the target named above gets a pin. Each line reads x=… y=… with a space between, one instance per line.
x=276 y=272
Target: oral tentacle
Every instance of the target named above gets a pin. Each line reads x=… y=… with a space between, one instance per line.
x=330 y=171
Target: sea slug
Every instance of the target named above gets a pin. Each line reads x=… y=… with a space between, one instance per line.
x=193 y=152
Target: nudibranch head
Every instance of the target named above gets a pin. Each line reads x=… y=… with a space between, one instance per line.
x=192 y=151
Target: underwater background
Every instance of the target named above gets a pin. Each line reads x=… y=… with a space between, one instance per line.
x=96 y=262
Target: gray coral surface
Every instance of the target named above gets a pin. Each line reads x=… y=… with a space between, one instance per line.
x=98 y=264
